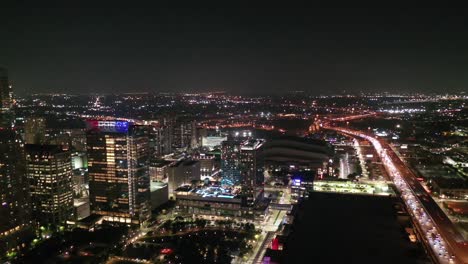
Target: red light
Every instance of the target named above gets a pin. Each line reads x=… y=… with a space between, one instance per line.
x=166 y=251
x=275 y=244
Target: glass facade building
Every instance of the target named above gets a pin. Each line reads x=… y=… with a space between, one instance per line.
x=118 y=168
x=49 y=172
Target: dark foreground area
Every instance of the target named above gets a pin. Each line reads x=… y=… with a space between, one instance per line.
x=340 y=228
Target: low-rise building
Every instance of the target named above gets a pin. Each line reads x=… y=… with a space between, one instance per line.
x=210 y=201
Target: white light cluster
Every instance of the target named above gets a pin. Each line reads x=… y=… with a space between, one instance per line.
x=403 y=111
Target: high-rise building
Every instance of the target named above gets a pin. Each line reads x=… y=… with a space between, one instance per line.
x=118 y=169
x=6 y=100
x=15 y=220
x=242 y=164
x=230 y=162
x=6 y=93
x=252 y=166
x=34 y=130
x=158 y=170
x=185 y=135
x=77 y=138
x=160 y=140
x=58 y=137
x=49 y=172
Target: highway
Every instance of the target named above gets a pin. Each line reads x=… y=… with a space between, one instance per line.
x=352 y=117
x=447 y=244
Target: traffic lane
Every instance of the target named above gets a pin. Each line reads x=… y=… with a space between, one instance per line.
x=454 y=239
x=445 y=226
x=436 y=212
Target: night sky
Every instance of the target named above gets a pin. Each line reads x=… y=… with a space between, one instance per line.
x=156 y=49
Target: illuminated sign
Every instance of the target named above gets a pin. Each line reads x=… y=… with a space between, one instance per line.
x=109 y=126
x=297 y=182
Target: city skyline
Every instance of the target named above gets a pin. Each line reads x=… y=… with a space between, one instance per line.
x=120 y=49
x=233 y=135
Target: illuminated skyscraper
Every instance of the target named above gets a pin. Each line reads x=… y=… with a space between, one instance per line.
x=34 y=131
x=15 y=220
x=118 y=167
x=230 y=162
x=184 y=135
x=252 y=166
x=160 y=140
x=6 y=99
x=49 y=172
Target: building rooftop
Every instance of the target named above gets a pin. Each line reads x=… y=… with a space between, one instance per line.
x=51 y=149
x=252 y=144
x=185 y=163
x=160 y=163
x=210 y=191
x=154 y=186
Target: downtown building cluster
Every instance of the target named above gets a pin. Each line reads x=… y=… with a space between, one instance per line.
x=114 y=171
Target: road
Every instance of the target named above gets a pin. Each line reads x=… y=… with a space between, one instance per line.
x=257 y=257
x=441 y=235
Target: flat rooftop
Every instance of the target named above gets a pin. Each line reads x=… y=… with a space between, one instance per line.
x=184 y=163
x=341 y=228
x=80 y=202
x=252 y=144
x=160 y=163
x=377 y=188
x=154 y=186
x=209 y=192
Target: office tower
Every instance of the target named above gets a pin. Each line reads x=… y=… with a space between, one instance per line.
x=58 y=137
x=6 y=93
x=6 y=100
x=34 y=130
x=230 y=162
x=166 y=140
x=252 y=166
x=200 y=133
x=182 y=173
x=80 y=174
x=15 y=220
x=49 y=172
x=77 y=139
x=184 y=135
x=80 y=185
x=160 y=140
x=118 y=169
x=158 y=169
